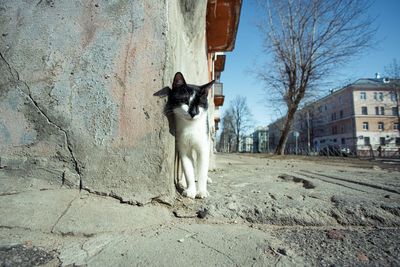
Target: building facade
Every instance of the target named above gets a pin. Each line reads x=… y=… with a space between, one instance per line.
x=360 y=117
x=260 y=140
x=246 y=144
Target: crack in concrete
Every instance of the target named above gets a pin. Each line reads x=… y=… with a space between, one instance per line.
x=129 y=202
x=62 y=214
x=67 y=144
x=193 y=236
x=10 y=68
x=86 y=252
x=114 y=196
x=214 y=249
x=11 y=193
x=60 y=234
x=104 y=246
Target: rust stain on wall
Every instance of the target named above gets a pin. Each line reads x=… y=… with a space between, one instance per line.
x=89 y=23
x=129 y=85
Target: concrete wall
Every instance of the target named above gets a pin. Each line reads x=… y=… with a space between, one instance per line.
x=76 y=91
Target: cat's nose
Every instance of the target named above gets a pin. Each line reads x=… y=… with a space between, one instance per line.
x=193 y=112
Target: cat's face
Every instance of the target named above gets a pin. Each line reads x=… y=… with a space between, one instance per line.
x=188 y=101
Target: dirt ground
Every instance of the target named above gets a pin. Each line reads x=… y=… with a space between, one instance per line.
x=334 y=211
x=262 y=211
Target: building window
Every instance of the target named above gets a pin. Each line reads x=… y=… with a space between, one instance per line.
x=365 y=125
x=335 y=130
x=382 y=141
x=397 y=141
x=381 y=126
x=340 y=99
x=380 y=96
x=343 y=141
x=393 y=96
x=341 y=114
x=395 y=111
x=376 y=95
x=333 y=116
x=363 y=95
x=379 y=110
x=396 y=126
x=366 y=141
x=364 y=110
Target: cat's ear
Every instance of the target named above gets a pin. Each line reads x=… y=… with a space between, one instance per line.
x=204 y=88
x=178 y=80
x=163 y=92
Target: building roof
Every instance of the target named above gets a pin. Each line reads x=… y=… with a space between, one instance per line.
x=363 y=83
x=261 y=128
x=374 y=82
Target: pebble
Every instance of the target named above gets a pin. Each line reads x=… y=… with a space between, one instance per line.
x=335 y=234
x=362 y=257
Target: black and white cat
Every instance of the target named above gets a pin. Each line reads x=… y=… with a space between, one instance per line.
x=189 y=105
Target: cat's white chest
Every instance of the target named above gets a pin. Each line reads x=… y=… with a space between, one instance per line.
x=191 y=134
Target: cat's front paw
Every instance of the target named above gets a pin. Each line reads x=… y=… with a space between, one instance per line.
x=202 y=194
x=189 y=193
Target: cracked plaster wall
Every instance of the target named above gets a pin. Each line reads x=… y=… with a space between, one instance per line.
x=76 y=91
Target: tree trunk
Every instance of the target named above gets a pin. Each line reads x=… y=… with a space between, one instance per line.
x=280 y=149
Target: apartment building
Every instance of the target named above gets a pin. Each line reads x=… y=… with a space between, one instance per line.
x=360 y=116
x=260 y=140
x=246 y=144
x=376 y=113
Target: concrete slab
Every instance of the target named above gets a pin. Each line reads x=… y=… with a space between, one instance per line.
x=92 y=214
x=197 y=244
x=36 y=210
x=16 y=181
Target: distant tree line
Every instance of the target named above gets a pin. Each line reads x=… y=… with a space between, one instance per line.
x=235 y=123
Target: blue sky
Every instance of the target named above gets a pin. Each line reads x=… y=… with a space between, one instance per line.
x=239 y=80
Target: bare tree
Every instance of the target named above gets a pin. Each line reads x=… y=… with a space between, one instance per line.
x=393 y=72
x=309 y=39
x=226 y=140
x=241 y=117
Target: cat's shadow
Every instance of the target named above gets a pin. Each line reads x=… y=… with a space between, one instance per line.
x=162 y=93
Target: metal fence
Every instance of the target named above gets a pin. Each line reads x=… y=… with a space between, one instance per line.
x=346 y=151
